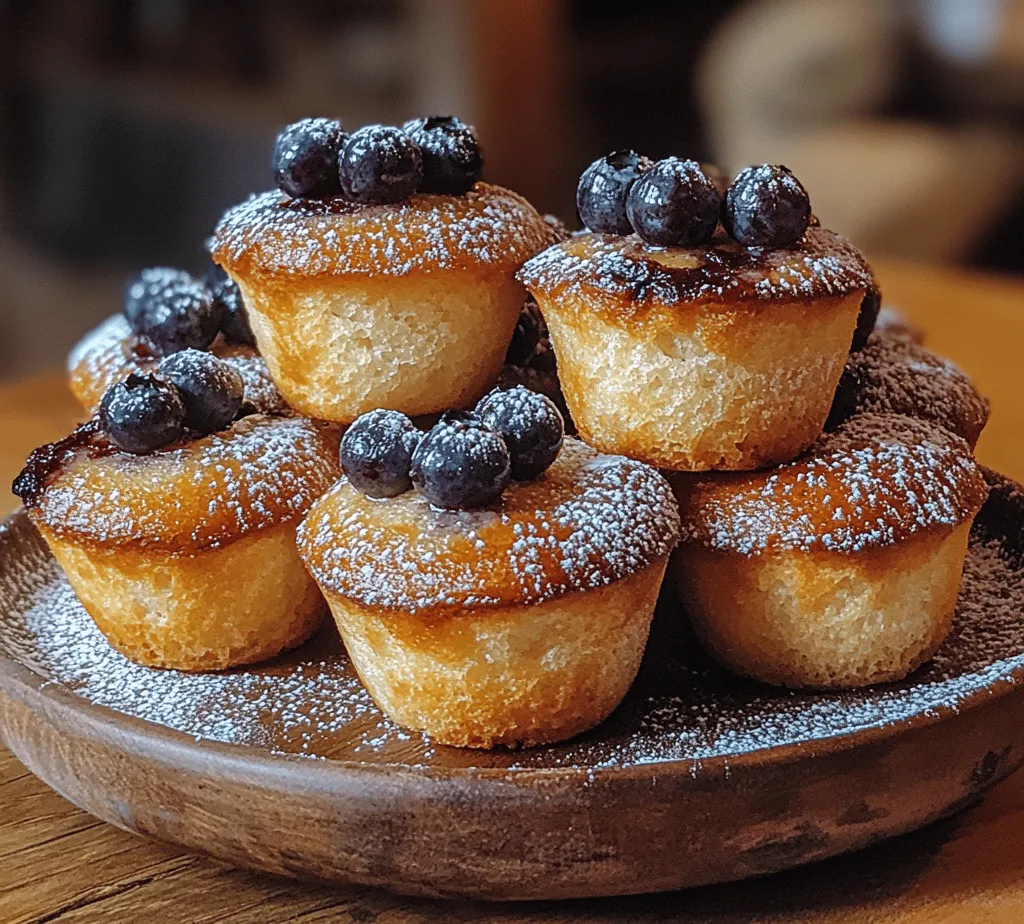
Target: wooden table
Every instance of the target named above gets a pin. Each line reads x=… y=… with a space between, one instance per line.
x=59 y=864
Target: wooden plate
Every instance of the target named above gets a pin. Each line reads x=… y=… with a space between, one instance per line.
x=699 y=777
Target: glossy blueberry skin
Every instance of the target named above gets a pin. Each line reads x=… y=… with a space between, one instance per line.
x=674 y=204
x=376 y=453
x=150 y=284
x=766 y=206
x=211 y=389
x=179 y=315
x=305 y=158
x=603 y=189
x=452 y=161
x=142 y=413
x=380 y=164
x=234 y=318
x=461 y=464
x=531 y=426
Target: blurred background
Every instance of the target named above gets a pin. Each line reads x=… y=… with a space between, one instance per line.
x=128 y=126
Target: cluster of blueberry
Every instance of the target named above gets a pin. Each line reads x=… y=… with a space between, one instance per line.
x=316 y=158
x=674 y=202
x=466 y=460
x=172 y=311
x=189 y=389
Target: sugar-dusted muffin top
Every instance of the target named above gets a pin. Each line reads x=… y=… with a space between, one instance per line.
x=261 y=472
x=875 y=481
x=587 y=521
x=274 y=236
x=893 y=373
x=625 y=276
x=110 y=352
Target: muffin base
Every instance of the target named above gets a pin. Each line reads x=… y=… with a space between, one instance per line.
x=418 y=344
x=824 y=620
x=517 y=675
x=697 y=387
x=222 y=607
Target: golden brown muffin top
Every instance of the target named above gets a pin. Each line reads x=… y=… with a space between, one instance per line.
x=877 y=480
x=624 y=276
x=261 y=472
x=110 y=352
x=272 y=236
x=894 y=374
x=587 y=521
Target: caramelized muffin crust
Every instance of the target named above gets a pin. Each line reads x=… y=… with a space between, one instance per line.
x=273 y=237
x=588 y=521
x=261 y=472
x=877 y=480
x=624 y=279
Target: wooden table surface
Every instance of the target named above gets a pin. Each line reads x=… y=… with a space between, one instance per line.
x=59 y=864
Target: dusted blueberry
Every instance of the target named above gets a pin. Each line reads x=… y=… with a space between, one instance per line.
x=376 y=453
x=305 y=158
x=211 y=389
x=452 y=161
x=674 y=204
x=604 y=188
x=227 y=297
x=142 y=413
x=180 y=315
x=531 y=426
x=151 y=284
x=461 y=464
x=766 y=206
x=380 y=164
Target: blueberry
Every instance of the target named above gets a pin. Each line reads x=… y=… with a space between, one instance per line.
x=176 y=315
x=461 y=464
x=530 y=330
x=674 y=203
x=149 y=285
x=305 y=159
x=603 y=189
x=870 y=305
x=376 y=453
x=452 y=161
x=142 y=413
x=211 y=389
x=766 y=207
x=380 y=164
x=530 y=424
x=227 y=298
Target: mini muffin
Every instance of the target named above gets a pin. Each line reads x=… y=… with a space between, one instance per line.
x=840 y=569
x=714 y=356
x=408 y=305
x=519 y=623
x=894 y=374
x=185 y=556
x=112 y=351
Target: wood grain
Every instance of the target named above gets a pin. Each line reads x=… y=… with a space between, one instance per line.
x=58 y=864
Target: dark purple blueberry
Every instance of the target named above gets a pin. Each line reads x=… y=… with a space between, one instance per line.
x=380 y=164
x=603 y=189
x=142 y=413
x=182 y=316
x=376 y=453
x=530 y=424
x=674 y=204
x=452 y=161
x=530 y=329
x=227 y=297
x=461 y=464
x=153 y=283
x=211 y=389
x=870 y=305
x=305 y=159
x=766 y=206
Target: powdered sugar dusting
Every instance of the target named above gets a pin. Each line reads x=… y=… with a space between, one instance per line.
x=272 y=235
x=588 y=521
x=682 y=707
x=876 y=480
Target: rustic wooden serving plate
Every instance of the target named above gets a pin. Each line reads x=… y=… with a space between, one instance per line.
x=699 y=777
